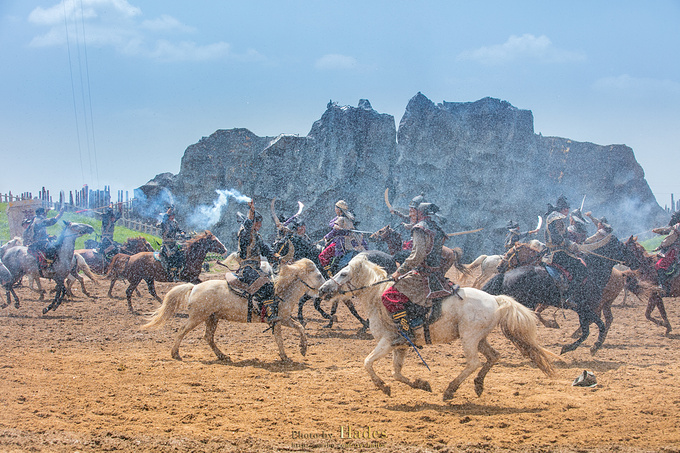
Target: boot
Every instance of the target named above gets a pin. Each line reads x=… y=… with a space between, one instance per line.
x=400 y=318
x=271 y=309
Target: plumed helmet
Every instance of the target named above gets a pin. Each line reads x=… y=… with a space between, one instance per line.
x=342 y=204
x=428 y=208
x=417 y=200
x=511 y=225
x=562 y=203
x=578 y=217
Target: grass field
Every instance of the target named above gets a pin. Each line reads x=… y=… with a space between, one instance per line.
x=121 y=233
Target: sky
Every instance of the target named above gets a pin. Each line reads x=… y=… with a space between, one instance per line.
x=112 y=92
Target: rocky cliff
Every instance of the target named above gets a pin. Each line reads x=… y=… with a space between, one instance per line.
x=481 y=162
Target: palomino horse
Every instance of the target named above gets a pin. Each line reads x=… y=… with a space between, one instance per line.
x=143 y=266
x=533 y=286
x=19 y=261
x=212 y=300
x=469 y=315
x=649 y=284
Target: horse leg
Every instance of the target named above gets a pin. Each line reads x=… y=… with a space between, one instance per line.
x=210 y=328
x=549 y=324
x=36 y=278
x=492 y=357
x=585 y=318
x=292 y=323
x=655 y=301
x=16 y=298
x=59 y=295
x=279 y=342
x=301 y=304
x=383 y=348
x=82 y=286
x=353 y=310
x=188 y=326
x=398 y=356
x=471 y=350
x=9 y=297
x=128 y=292
x=332 y=317
x=152 y=289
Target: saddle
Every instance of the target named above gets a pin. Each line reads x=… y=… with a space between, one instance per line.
x=247 y=291
x=424 y=316
x=44 y=262
x=560 y=275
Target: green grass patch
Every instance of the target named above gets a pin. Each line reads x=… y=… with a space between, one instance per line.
x=121 y=234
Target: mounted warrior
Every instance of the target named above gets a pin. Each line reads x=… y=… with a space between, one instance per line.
x=343 y=241
x=108 y=246
x=172 y=252
x=40 y=244
x=250 y=248
x=514 y=236
x=563 y=253
x=419 y=280
x=669 y=252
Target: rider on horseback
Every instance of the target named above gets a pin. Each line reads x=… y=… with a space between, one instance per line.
x=514 y=236
x=41 y=244
x=668 y=252
x=171 y=256
x=562 y=252
x=108 y=247
x=250 y=248
x=419 y=279
x=343 y=241
x=294 y=231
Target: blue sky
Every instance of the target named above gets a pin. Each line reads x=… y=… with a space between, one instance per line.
x=111 y=92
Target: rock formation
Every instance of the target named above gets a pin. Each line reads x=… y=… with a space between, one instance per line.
x=481 y=162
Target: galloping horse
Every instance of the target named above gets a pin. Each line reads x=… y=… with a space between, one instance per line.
x=143 y=266
x=20 y=262
x=7 y=281
x=98 y=262
x=533 y=286
x=647 y=273
x=469 y=315
x=212 y=300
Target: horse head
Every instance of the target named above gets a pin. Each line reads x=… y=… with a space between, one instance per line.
x=78 y=229
x=138 y=244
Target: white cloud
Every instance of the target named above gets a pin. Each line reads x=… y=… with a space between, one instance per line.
x=526 y=46
x=639 y=85
x=189 y=51
x=336 y=61
x=166 y=23
x=118 y=24
x=81 y=9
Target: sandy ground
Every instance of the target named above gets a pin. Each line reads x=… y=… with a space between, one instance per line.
x=86 y=378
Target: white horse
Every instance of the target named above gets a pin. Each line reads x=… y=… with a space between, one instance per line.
x=79 y=264
x=488 y=264
x=212 y=300
x=470 y=315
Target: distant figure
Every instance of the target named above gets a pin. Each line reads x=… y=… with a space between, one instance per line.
x=668 y=252
x=108 y=247
x=343 y=242
x=514 y=236
x=577 y=231
x=172 y=255
x=35 y=236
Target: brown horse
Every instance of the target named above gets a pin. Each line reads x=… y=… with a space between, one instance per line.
x=98 y=262
x=649 y=282
x=144 y=266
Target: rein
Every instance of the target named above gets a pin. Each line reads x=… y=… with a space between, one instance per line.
x=354 y=290
x=603 y=257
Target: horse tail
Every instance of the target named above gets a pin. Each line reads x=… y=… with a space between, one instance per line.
x=82 y=265
x=112 y=272
x=476 y=263
x=176 y=297
x=518 y=324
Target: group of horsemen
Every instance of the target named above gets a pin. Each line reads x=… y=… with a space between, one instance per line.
x=418 y=281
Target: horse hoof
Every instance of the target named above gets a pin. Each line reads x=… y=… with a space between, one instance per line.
x=422 y=385
x=45 y=310
x=176 y=357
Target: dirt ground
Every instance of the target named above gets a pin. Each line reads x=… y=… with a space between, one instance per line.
x=86 y=378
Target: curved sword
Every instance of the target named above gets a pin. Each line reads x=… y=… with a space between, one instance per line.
x=387 y=199
x=540 y=223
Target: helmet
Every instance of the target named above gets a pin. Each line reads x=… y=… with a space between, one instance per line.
x=562 y=203
x=428 y=209
x=171 y=210
x=417 y=200
x=40 y=211
x=511 y=225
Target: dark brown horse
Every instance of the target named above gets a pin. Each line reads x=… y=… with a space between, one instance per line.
x=144 y=266
x=649 y=281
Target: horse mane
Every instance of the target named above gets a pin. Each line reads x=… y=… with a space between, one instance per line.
x=194 y=240
x=287 y=272
x=362 y=266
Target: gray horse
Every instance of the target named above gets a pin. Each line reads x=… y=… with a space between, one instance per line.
x=20 y=262
x=6 y=281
